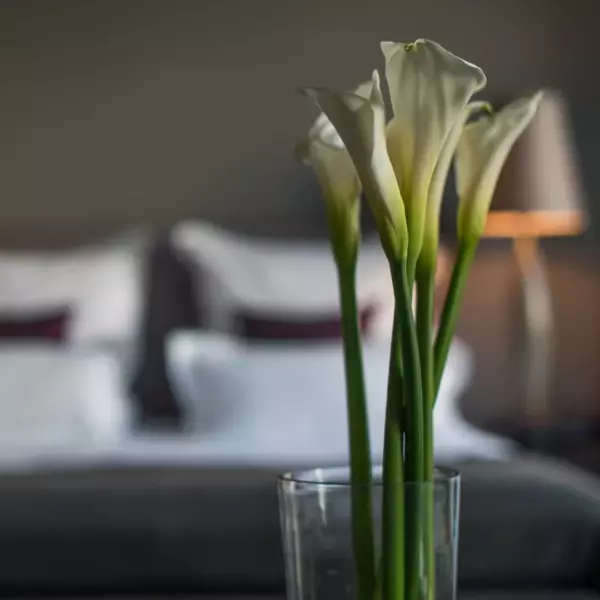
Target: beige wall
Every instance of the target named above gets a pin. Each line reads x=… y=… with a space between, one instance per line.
x=119 y=111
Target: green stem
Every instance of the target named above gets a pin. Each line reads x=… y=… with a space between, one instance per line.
x=392 y=521
x=425 y=310
x=460 y=272
x=412 y=375
x=425 y=315
x=414 y=457
x=360 y=450
x=411 y=271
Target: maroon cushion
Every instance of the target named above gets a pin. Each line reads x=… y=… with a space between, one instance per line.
x=50 y=326
x=295 y=328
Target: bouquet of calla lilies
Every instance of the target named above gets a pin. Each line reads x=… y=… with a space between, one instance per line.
x=400 y=167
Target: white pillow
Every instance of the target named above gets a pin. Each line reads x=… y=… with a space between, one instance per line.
x=56 y=396
x=283 y=279
x=278 y=398
x=101 y=286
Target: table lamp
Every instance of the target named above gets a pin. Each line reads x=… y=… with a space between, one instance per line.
x=539 y=194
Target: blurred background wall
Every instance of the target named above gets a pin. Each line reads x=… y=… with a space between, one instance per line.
x=117 y=112
x=114 y=111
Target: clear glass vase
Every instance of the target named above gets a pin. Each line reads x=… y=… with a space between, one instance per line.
x=315 y=511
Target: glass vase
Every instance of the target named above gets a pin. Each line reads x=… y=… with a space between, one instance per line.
x=315 y=509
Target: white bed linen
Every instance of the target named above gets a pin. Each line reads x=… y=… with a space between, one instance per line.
x=298 y=443
x=277 y=400
x=52 y=396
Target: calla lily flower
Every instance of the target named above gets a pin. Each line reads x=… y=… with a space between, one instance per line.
x=480 y=156
x=360 y=123
x=341 y=190
x=438 y=180
x=324 y=150
x=429 y=90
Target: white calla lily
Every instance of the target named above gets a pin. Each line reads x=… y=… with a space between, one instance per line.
x=324 y=150
x=429 y=90
x=334 y=169
x=360 y=122
x=323 y=130
x=438 y=181
x=481 y=153
x=341 y=190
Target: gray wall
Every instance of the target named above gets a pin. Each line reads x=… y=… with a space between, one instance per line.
x=116 y=111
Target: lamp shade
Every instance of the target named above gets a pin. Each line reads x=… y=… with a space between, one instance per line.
x=539 y=192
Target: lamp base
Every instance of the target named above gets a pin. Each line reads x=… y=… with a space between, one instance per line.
x=538 y=321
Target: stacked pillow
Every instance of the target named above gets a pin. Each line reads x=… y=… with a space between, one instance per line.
x=268 y=400
x=83 y=296
x=69 y=339
x=261 y=289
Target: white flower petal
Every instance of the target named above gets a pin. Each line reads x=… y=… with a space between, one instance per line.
x=429 y=89
x=480 y=156
x=440 y=174
x=322 y=128
x=335 y=171
x=341 y=190
x=360 y=123
x=325 y=151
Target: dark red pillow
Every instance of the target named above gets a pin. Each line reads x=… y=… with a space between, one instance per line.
x=264 y=327
x=50 y=327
